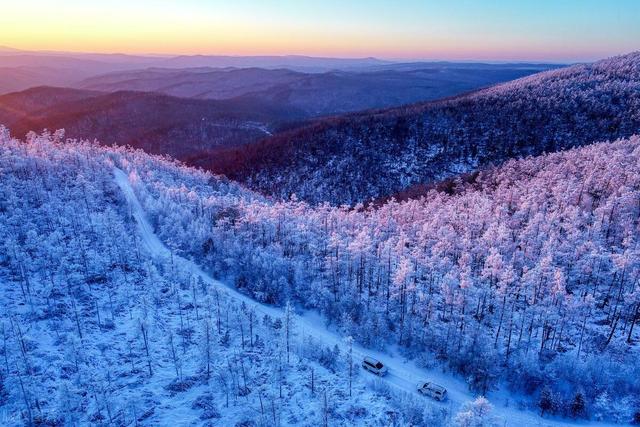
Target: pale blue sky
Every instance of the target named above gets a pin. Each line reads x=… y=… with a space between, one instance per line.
x=560 y=30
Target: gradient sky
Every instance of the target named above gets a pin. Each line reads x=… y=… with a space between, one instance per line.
x=552 y=30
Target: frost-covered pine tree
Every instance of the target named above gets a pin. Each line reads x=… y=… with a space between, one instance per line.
x=475 y=414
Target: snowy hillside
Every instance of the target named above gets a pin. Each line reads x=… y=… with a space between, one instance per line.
x=528 y=276
x=103 y=325
x=521 y=285
x=355 y=158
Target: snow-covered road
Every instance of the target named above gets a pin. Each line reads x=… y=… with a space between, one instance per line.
x=403 y=374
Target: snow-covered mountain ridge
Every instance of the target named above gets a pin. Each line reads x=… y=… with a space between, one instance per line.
x=357 y=157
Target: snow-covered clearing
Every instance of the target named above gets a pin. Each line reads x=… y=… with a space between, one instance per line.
x=403 y=374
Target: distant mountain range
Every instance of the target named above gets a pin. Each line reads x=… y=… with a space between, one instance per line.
x=146 y=102
x=21 y=70
x=313 y=94
x=24 y=70
x=375 y=154
x=292 y=62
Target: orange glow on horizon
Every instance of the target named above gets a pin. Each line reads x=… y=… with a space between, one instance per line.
x=250 y=28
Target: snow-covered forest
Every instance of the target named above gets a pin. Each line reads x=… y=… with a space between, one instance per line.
x=524 y=279
x=529 y=275
x=355 y=158
x=99 y=330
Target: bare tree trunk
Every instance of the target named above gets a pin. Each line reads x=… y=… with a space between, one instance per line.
x=195 y=299
x=325 y=410
x=5 y=350
x=241 y=332
x=174 y=356
x=636 y=314
x=280 y=374
x=17 y=331
x=261 y=405
x=350 y=359
x=613 y=330
x=25 y=397
x=244 y=372
x=287 y=326
x=145 y=339
x=504 y=302
x=510 y=332
x=207 y=349
x=76 y=316
x=218 y=306
x=251 y=318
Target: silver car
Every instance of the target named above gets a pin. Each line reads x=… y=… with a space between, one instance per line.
x=374 y=366
x=432 y=390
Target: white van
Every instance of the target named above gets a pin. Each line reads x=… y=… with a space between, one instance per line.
x=374 y=366
x=432 y=390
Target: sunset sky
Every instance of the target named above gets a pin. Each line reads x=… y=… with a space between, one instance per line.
x=553 y=30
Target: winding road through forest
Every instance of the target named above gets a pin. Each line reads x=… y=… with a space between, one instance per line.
x=403 y=374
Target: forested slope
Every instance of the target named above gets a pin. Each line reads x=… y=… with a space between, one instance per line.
x=96 y=329
x=159 y=124
x=370 y=155
x=527 y=274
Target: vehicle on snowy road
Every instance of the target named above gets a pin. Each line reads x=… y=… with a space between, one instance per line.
x=432 y=390
x=374 y=366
